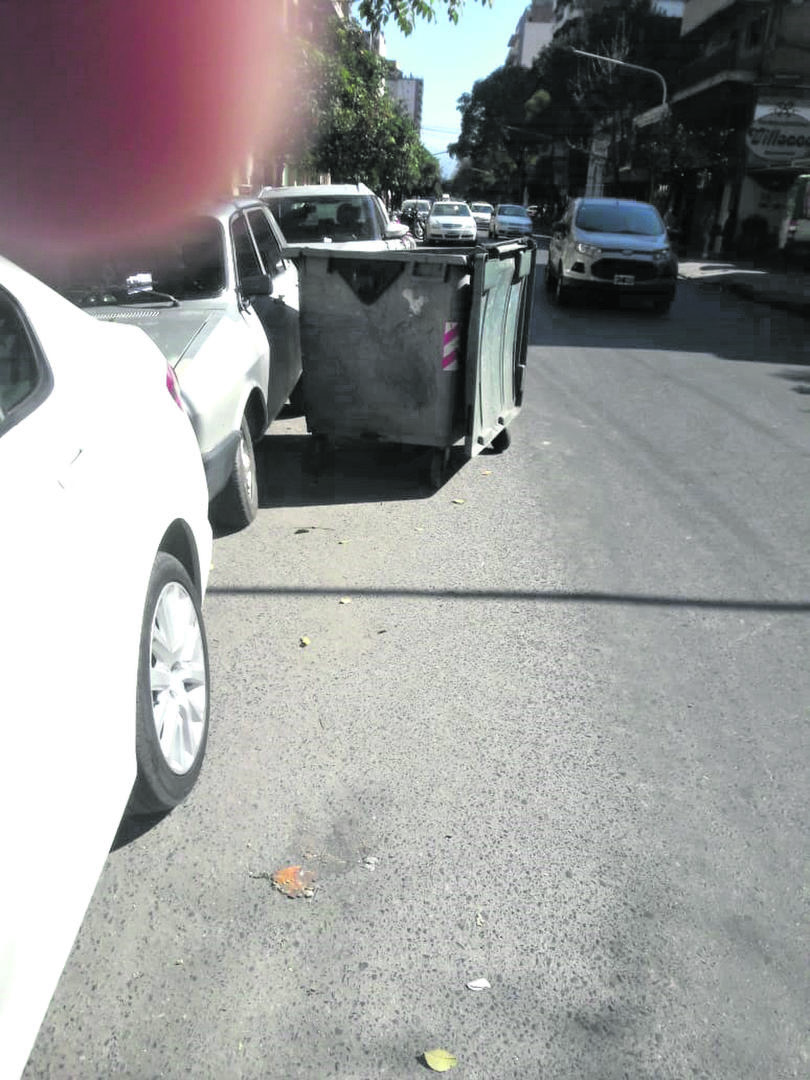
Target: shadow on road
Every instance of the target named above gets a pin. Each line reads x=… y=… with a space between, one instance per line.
x=295 y=471
x=786 y=607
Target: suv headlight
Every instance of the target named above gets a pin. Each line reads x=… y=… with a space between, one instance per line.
x=588 y=249
x=661 y=255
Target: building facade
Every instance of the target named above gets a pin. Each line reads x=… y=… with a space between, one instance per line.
x=750 y=91
x=408 y=91
x=533 y=32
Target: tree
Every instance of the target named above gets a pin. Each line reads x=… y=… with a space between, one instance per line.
x=356 y=131
x=376 y=13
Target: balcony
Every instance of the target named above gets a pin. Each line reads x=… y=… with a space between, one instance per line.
x=729 y=63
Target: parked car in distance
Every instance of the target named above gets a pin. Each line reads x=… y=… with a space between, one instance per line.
x=510 y=220
x=482 y=212
x=105 y=549
x=616 y=246
x=220 y=299
x=347 y=214
x=450 y=222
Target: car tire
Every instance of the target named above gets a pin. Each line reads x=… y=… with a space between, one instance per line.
x=548 y=279
x=173 y=690
x=661 y=307
x=560 y=288
x=238 y=502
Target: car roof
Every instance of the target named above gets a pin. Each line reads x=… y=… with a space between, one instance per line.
x=306 y=191
x=600 y=201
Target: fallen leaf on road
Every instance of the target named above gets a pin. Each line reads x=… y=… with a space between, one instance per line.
x=486 y=472
x=303 y=642
x=298 y=531
x=479 y=984
x=294 y=881
x=458 y=502
x=440 y=1060
x=345 y=600
x=344 y=541
x=382 y=631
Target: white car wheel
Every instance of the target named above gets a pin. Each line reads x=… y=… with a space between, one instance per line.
x=173 y=690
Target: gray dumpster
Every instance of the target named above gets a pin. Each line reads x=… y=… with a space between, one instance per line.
x=425 y=347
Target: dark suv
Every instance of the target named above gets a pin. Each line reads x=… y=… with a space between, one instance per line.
x=614 y=246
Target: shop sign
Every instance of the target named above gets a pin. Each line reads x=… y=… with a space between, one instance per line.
x=779 y=137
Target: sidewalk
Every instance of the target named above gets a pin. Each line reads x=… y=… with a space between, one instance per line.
x=789 y=290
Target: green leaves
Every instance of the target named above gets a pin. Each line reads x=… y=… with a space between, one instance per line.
x=376 y=13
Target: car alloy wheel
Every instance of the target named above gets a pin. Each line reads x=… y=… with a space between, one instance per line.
x=173 y=690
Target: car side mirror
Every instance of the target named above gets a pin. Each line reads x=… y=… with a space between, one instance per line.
x=257 y=285
x=395 y=231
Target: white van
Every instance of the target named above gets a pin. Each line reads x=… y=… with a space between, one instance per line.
x=794 y=230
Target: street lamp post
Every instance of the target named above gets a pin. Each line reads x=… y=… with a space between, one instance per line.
x=633 y=67
x=624 y=63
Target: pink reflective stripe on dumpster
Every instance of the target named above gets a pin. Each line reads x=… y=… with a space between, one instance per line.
x=451 y=340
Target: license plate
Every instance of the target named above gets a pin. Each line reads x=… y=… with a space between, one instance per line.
x=624 y=279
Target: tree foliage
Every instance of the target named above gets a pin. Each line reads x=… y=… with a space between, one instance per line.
x=352 y=129
x=405 y=13
x=513 y=115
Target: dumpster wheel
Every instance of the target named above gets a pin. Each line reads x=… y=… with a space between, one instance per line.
x=501 y=442
x=437 y=470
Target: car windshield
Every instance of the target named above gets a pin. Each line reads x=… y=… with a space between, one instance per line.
x=190 y=265
x=481 y=207
x=450 y=209
x=617 y=218
x=314 y=218
x=512 y=211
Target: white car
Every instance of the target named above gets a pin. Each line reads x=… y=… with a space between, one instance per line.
x=220 y=299
x=349 y=215
x=482 y=212
x=450 y=222
x=510 y=220
x=105 y=551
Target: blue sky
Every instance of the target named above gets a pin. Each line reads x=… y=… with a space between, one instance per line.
x=450 y=59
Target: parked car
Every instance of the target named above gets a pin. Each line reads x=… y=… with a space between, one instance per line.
x=450 y=222
x=616 y=246
x=510 y=220
x=347 y=214
x=482 y=212
x=220 y=299
x=105 y=550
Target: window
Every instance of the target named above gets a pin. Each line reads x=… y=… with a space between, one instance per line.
x=24 y=379
x=266 y=242
x=247 y=261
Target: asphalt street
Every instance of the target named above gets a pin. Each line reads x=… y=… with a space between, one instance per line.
x=558 y=739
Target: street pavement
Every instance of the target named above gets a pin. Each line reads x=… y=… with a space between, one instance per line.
x=558 y=739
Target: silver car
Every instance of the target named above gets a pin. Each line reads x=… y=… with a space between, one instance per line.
x=510 y=220
x=616 y=246
x=220 y=299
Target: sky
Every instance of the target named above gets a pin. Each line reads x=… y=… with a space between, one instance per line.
x=450 y=58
